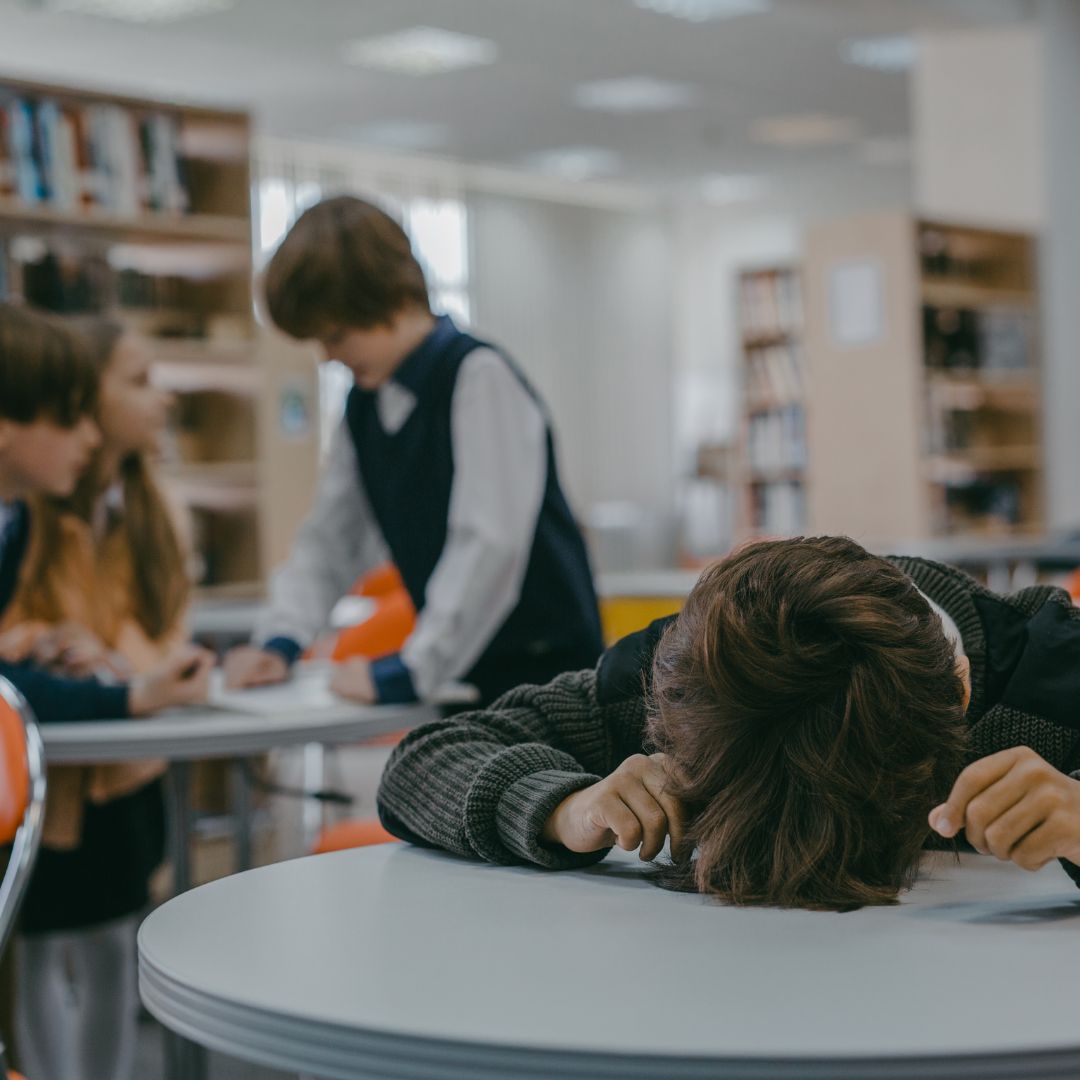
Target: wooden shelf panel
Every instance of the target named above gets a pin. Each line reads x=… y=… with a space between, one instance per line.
x=200 y=228
x=958 y=465
x=947 y=293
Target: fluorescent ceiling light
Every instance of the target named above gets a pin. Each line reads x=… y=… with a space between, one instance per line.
x=423 y=50
x=886 y=150
x=575 y=162
x=402 y=134
x=636 y=94
x=813 y=129
x=723 y=189
x=705 y=10
x=142 y=10
x=882 y=53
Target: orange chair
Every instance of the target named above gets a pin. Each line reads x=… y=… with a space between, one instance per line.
x=389 y=625
x=22 y=809
x=351 y=834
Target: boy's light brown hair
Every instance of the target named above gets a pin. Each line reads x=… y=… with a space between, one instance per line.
x=344 y=265
x=46 y=373
x=812 y=708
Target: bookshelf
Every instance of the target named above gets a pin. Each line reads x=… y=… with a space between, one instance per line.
x=930 y=425
x=772 y=459
x=141 y=210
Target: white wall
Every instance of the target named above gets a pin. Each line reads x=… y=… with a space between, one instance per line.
x=977 y=116
x=1060 y=266
x=580 y=297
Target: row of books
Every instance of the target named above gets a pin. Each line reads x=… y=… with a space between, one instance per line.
x=991 y=339
x=777 y=439
x=82 y=157
x=983 y=505
x=770 y=303
x=774 y=375
x=58 y=281
x=778 y=509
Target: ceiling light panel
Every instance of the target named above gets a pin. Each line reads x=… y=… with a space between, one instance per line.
x=882 y=53
x=575 y=162
x=699 y=11
x=142 y=11
x=723 y=189
x=420 y=51
x=636 y=94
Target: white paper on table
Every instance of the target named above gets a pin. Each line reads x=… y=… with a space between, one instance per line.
x=307 y=691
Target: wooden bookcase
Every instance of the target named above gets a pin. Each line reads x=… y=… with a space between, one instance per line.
x=142 y=211
x=771 y=460
x=924 y=406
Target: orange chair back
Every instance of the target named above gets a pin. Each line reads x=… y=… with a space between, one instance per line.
x=352 y=834
x=383 y=632
x=381 y=581
x=14 y=772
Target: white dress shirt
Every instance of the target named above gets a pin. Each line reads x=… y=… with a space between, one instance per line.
x=499 y=441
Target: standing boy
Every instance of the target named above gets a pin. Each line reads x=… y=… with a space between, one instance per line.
x=444 y=460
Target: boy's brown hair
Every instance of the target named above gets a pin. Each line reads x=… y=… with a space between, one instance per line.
x=345 y=264
x=813 y=713
x=45 y=370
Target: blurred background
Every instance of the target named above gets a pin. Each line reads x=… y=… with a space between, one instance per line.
x=775 y=266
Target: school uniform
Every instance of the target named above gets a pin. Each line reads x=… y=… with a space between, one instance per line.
x=449 y=470
x=485 y=784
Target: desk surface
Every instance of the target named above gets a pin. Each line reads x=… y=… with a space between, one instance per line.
x=393 y=961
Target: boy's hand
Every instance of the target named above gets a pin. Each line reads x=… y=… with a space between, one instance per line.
x=352 y=679
x=246 y=666
x=1016 y=806
x=183 y=679
x=629 y=808
x=76 y=652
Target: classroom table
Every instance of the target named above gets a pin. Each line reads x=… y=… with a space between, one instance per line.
x=413 y=964
x=304 y=713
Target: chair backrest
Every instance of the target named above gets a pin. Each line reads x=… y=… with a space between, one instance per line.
x=22 y=800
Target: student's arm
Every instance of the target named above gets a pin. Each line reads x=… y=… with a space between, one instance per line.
x=500 y=466
x=58 y=700
x=338 y=541
x=484 y=784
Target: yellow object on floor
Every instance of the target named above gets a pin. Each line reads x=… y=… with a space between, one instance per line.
x=622 y=615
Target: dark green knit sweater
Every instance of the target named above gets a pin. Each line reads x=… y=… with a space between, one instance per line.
x=484 y=783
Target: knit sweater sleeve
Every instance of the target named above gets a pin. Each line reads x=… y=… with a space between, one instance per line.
x=484 y=783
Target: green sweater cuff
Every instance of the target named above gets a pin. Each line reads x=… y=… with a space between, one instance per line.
x=525 y=807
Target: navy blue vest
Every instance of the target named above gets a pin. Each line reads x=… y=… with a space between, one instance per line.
x=408 y=477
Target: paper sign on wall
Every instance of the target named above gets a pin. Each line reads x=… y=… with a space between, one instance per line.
x=856 y=302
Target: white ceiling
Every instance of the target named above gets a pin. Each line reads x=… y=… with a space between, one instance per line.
x=283 y=60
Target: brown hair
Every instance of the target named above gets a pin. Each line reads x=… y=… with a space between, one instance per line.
x=811 y=707
x=44 y=370
x=145 y=528
x=344 y=264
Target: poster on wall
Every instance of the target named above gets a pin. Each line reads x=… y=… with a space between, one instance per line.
x=856 y=302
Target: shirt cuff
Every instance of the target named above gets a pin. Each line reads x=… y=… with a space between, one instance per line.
x=393 y=681
x=288 y=649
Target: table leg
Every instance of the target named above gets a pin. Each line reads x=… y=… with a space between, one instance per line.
x=314 y=779
x=241 y=809
x=184 y=1060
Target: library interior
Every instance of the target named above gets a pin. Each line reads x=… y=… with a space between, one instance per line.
x=429 y=351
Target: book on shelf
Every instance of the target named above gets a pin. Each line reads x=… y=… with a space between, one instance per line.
x=778 y=509
x=771 y=304
x=995 y=340
x=77 y=157
x=776 y=440
x=774 y=375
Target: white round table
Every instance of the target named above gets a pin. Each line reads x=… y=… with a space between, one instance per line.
x=395 y=962
x=196 y=734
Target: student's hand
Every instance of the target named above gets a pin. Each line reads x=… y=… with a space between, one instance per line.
x=1016 y=806
x=182 y=679
x=352 y=679
x=629 y=808
x=17 y=644
x=75 y=651
x=246 y=666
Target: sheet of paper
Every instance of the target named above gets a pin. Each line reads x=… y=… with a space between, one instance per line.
x=307 y=691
